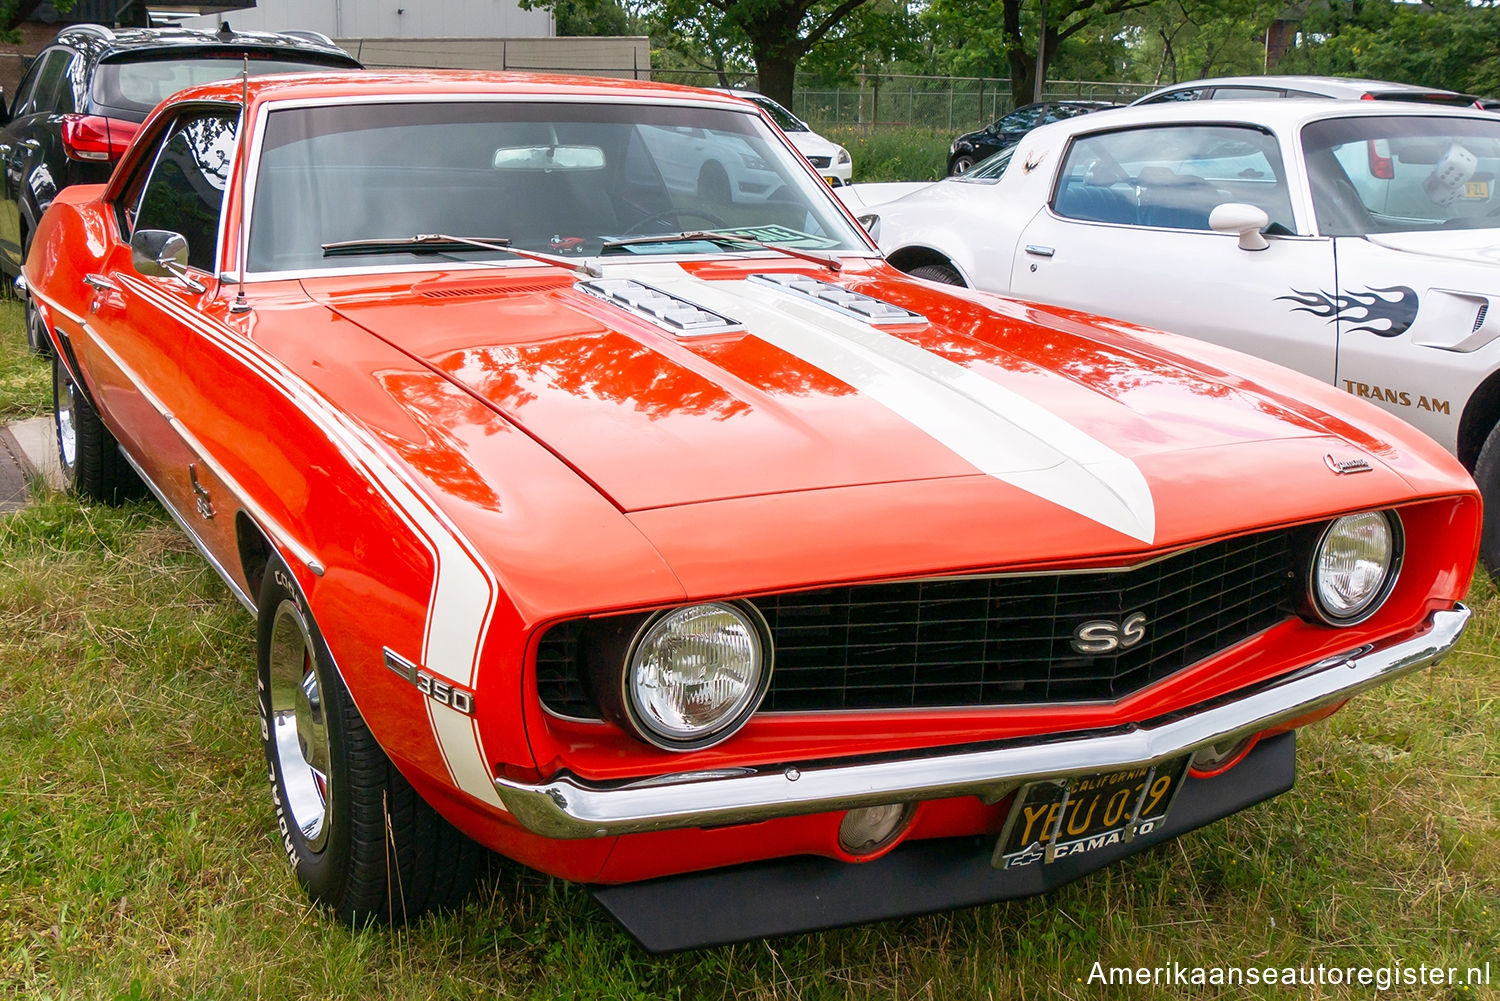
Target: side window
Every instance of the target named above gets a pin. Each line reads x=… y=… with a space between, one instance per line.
x=184 y=191
x=1173 y=177
x=1186 y=94
x=38 y=91
x=52 y=83
x=1060 y=112
x=26 y=89
x=1021 y=119
x=1247 y=94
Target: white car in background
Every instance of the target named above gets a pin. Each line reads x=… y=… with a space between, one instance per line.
x=831 y=159
x=1357 y=241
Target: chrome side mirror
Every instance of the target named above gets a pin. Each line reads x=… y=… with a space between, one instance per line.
x=160 y=253
x=1246 y=220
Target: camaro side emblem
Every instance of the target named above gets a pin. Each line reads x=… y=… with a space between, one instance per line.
x=1346 y=467
x=436 y=689
x=1106 y=636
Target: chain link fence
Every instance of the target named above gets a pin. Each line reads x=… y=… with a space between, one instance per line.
x=940 y=103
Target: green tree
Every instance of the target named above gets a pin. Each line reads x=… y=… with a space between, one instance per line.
x=1437 y=43
x=1001 y=37
x=1179 y=40
x=13 y=12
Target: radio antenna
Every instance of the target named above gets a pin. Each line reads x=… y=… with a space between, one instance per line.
x=240 y=305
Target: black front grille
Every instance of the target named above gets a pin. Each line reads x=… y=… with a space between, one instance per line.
x=820 y=161
x=994 y=641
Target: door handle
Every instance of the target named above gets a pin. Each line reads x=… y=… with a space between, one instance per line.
x=100 y=283
x=1039 y=251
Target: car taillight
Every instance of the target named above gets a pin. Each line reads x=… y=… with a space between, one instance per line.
x=95 y=138
x=1381 y=164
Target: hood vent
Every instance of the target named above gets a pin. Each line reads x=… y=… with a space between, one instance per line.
x=855 y=304
x=472 y=291
x=671 y=313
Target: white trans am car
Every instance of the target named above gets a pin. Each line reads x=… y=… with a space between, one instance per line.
x=1356 y=241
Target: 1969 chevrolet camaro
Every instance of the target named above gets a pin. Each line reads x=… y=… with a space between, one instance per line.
x=672 y=542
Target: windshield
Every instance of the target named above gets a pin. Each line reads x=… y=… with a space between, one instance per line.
x=1400 y=174
x=991 y=168
x=563 y=179
x=131 y=88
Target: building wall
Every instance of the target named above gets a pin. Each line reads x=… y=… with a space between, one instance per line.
x=624 y=56
x=15 y=58
x=389 y=18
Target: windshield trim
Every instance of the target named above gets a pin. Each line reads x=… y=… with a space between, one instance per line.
x=238 y=242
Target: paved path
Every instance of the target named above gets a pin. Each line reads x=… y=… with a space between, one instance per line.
x=28 y=451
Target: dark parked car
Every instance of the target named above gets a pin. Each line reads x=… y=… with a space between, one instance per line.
x=971 y=147
x=83 y=98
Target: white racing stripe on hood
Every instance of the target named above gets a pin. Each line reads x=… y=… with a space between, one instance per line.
x=999 y=432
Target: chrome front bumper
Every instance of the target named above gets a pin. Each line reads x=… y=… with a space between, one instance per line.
x=567 y=807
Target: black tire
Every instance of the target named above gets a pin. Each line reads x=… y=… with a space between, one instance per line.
x=365 y=844
x=1487 y=475
x=960 y=164
x=941 y=273
x=92 y=463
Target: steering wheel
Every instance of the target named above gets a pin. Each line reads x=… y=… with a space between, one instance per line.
x=675 y=214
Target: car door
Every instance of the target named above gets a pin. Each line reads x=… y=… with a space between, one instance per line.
x=1125 y=233
x=1412 y=203
x=140 y=336
x=36 y=98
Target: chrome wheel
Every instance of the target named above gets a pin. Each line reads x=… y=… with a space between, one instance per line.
x=299 y=725
x=65 y=400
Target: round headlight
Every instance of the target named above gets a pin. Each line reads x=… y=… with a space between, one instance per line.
x=1354 y=566
x=695 y=674
x=843 y=156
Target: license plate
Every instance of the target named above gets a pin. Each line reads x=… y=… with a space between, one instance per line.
x=1477 y=189
x=1055 y=819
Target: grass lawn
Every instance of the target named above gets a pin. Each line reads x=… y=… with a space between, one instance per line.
x=137 y=857
x=25 y=379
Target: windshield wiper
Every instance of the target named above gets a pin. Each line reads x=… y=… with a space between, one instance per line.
x=829 y=261
x=438 y=243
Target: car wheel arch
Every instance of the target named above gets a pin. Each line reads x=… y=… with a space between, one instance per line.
x=1481 y=415
x=255 y=550
x=907 y=258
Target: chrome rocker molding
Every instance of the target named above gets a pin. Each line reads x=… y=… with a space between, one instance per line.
x=569 y=808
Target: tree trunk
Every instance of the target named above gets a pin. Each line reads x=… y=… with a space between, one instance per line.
x=776 y=72
x=1022 y=64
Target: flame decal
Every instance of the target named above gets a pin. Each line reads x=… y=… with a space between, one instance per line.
x=1372 y=309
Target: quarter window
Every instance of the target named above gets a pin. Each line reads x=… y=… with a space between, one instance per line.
x=184 y=192
x=1173 y=177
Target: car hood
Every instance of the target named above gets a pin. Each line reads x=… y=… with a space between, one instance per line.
x=801 y=395
x=812 y=144
x=1472 y=246
x=864 y=196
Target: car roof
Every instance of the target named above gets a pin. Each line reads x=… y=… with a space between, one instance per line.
x=1329 y=86
x=1282 y=116
x=440 y=85
x=104 y=43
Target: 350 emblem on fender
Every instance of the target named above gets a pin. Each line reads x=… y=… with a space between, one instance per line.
x=1107 y=636
x=442 y=692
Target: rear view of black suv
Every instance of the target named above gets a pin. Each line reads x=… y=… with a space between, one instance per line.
x=85 y=96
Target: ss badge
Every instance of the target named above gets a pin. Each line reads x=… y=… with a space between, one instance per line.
x=1106 y=636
